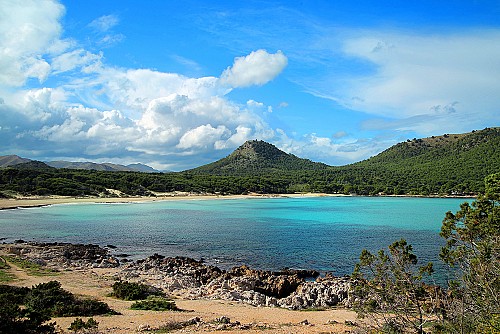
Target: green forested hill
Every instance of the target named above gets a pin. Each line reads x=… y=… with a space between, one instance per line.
x=256 y=157
x=443 y=165
x=448 y=164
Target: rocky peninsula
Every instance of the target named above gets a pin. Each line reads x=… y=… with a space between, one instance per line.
x=188 y=278
x=240 y=300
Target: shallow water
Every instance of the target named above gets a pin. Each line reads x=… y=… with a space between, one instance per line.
x=321 y=233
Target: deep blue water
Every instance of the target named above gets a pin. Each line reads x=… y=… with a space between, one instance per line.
x=321 y=233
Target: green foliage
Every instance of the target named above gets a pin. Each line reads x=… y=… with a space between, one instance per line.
x=390 y=290
x=25 y=310
x=153 y=303
x=134 y=291
x=78 y=324
x=473 y=248
x=57 y=302
x=14 y=319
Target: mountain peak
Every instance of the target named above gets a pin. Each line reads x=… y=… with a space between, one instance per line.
x=11 y=160
x=255 y=149
x=257 y=157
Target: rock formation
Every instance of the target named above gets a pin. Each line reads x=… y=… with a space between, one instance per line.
x=189 y=278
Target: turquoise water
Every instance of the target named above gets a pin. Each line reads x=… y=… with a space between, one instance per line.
x=321 y=233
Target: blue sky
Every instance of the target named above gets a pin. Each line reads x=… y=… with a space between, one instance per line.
x=179 y=84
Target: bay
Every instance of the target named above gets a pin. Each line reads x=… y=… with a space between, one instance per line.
x=321 y=233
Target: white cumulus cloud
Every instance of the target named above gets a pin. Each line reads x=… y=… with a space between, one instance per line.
x=202 y=136
x=29 y=30
x=258 y=68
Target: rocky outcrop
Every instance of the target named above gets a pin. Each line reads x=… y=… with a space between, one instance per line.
x=64 y=255
x=325 y=292
x=193 y=279
x=189 y=278
x=272 y=284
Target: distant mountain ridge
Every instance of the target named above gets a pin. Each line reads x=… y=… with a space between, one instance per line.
x=102 y=166
x=451 y=163
x=437 y=147
x=257 y=157
x=13 y=160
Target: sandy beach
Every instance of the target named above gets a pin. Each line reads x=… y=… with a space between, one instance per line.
x=34 y=201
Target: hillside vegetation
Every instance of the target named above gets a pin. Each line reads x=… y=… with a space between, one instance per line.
x=257 y=157
x=442 y=165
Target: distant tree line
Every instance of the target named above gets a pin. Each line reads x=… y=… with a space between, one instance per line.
x=358 y=180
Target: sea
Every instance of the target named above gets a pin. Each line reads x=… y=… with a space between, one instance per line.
x=326 y=234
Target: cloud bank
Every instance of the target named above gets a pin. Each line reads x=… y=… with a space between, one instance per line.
x=420 y=83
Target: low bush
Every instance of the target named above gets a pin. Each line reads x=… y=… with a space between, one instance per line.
x=25 y=310
x=15 y=320
x=13 y=294
x=153 y=303
x=80 y=325
x=134 y=291
x=57 y=302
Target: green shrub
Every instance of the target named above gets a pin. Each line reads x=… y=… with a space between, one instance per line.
x=79 y=324
x=134 y=291
x=25 y=310
x=51 y=299
x=15 y=320
x=153 y=303
x=13 y=294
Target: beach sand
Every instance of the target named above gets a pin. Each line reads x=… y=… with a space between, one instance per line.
x=34 y=201
x=97 y=283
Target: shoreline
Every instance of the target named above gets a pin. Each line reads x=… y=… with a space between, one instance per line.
x=33 y=202
x=36 y=201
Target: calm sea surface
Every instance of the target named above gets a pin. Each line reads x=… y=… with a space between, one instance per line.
x=322 y=233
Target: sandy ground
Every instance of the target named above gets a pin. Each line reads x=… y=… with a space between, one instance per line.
x=97 y=283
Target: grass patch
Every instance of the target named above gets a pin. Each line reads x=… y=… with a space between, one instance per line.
x=153 y=303
x=31 y=268
x=4 y=275
x=315 y=309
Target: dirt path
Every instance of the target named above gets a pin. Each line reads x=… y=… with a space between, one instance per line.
x=97 y=284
